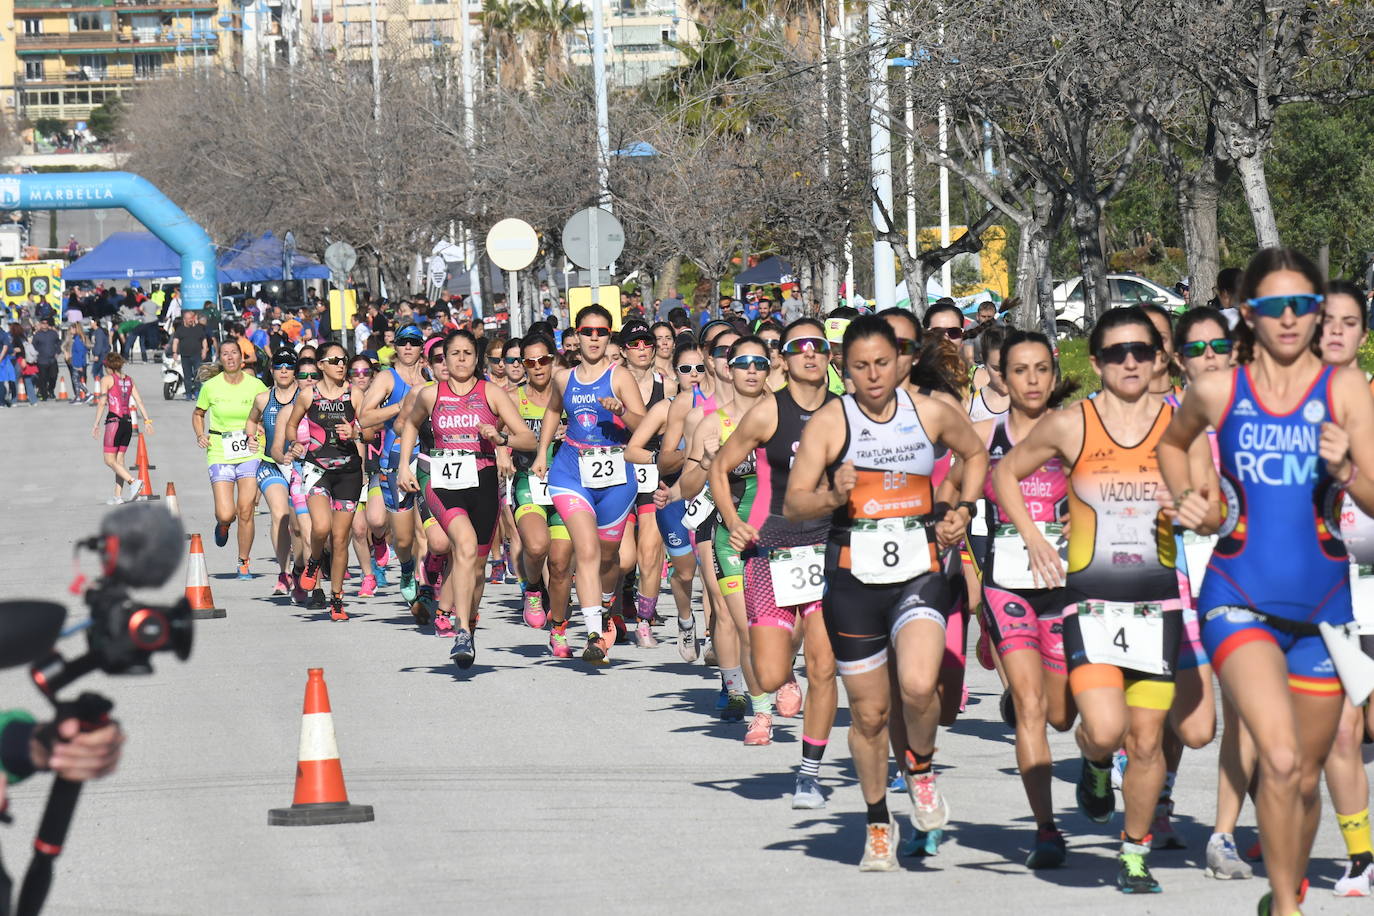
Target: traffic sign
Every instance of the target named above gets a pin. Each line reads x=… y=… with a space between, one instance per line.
x=512 y=244
x=438 y=270
x=340 y=257
x=591 y=235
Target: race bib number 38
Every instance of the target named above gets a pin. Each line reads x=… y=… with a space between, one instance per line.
x=798 y=574
x=601 y=467
x=887 y=551
x=1123 y=634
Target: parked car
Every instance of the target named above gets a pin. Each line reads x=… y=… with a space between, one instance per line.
x=1124 y=289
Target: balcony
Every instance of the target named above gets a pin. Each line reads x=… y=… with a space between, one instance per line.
x=86 y=77
x=113 y=41
x=81 y=6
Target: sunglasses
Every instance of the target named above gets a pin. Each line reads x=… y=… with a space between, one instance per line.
x=334 y=361
x=907 y=347
x=510 y=360
x=1274 y=306
x=639 y=345
x=772 y=343
x=687 y=369
x=1195 y=348
x=799 y=345
x=720 y=352
x=309 y=376
x=284 y=367
x=750 y=361
x=1117 y=354
x=533 y=362
x=408 y=342
x=594 y=333
x=436 y=359
x=951 y=333
x=360 y=373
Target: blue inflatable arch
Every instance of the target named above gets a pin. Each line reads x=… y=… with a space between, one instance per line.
x=164 y=219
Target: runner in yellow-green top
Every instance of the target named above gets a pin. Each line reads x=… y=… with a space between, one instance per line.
x=227 y=396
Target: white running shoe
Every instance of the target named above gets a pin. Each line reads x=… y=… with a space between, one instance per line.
x=131 y=490
x=808 y=795
x=1355 y=881
x=930 y=811
x=687 y=642
x=880 y=847
x=1223 y=861
x=1118 y=769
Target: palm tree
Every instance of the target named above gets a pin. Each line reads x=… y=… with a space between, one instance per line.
x=501 y=26
x=547 y=23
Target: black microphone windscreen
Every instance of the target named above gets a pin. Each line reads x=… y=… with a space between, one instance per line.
x=151 y=543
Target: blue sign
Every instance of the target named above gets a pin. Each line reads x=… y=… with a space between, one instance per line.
x=164 y=219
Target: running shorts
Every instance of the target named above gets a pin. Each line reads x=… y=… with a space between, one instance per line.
x=525 y=505
x=863 y=620
x=1310 y=669
x=341 y=485
x=270 y=475
x=1143 y=689
x=1033 y=619
x=229 y=473
x=677 y=540
x=760 y=606
x=480 y=505
x=119 y=431
x=396 y=499
x=610 y=505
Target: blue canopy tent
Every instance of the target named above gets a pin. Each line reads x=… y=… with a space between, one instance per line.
x=769 y=270
x=260 y=260
x=126 y=255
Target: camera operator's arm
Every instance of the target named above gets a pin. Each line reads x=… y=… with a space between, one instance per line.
x=75 y=755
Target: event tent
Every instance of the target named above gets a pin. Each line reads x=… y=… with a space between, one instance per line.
x=126 y=255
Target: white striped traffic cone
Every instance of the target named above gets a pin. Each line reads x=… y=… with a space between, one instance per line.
x=198 y=584
x=320 y=794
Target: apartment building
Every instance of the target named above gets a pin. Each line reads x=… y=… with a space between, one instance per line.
x=638 y=36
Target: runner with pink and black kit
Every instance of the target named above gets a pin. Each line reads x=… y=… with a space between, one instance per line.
x=118 y=398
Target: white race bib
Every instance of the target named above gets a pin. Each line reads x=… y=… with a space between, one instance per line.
x=539 y=491
x=1362 y=597
x=1197 y=550
x=236 y=444
x=1011 y=560
x=310 y=475
x=1123 y=634
x=646 y=475
x=601 y=467
x=699 y=509
x=978 y=525
x=798 y=574
x=453 y=470
x=887 y=551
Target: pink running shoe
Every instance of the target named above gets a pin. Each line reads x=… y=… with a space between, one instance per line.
x=369 y=586
x=283 y=584
x=379 y=551
x=789 y=699
x=760 y=731
x=558 y=642
x=535 y=615
x=983 y=649
x=443 y=625
x=644 y=636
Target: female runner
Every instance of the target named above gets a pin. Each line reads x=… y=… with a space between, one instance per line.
x=118 y=400
x=275 y=481
x=369 y=524
x=642 y=548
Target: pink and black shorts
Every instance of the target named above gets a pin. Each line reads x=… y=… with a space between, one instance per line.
x=1033 y=620
x=759 y=606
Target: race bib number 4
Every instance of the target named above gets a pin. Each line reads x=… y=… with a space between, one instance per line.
x=1011 y=561
x=453 y=470
x=1123 y=634
x=236 y=444
x=798 y=574
x=646 y=476
x=887 y=551
x=601 y=467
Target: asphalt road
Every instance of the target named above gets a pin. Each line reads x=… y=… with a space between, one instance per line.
x=525 y=782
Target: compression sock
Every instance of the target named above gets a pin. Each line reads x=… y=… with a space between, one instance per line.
x=608 y=600
x=1355 y=832
x=812 y=752
x=734 y=679
x=1168 y=791
x=644 y=607
x=916 y=764
x=407 y=568
x=591 y=616
x=762 y=703
x=877 y=812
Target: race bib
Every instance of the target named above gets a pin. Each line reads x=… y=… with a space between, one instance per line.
x=978 y=525
x=539 y=491
x=453 y=470
x=236 y=444
x=1011 y=560
x=601 y=467
x=310 y=475
x=699 y=509
x=1123 y=634
x=646 y=476
x=798 y=574
x=1197 y=550
x=1361 y=596
x=886 y=551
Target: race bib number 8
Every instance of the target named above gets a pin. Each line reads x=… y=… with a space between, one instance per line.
x=1011 y=560
x=646 y=476
x=236 y=444
x=798 y=574
x=453 y=470
x=698 y=509
x=1123 y=634
x=887 y=551
x=601 y=467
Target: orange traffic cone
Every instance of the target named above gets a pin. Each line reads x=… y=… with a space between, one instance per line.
x=141 y=451
x=62 y=394
x=23 y=392
x=198 y=584
x=172 y=505
x=320 y=794
x=146 y=492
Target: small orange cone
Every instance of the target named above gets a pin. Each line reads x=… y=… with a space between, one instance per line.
x=62 y=394
x=141 y=450
x=23 y=392
x=172 y=505
x=142 y=464
x=320 y=794
x=198 y=584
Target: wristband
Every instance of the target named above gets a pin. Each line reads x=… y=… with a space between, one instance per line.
x=941 y=509
x=970 y=505
x=1181 y=497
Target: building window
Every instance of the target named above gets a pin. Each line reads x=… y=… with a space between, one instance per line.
x=147 y=65
x=33 y=69
x=90 y=22
x=360 y=33
x=33 y=26
x=92 y=66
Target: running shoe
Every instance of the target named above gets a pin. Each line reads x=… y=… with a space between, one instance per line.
x=379 y=552
x=880 y=847
x=1355 y=881
x=283 y=585
x=221 y=534
x=644 y=636
x=760 y=733
x=1007 y=707
x=131 y=491
x=310 y=576
x=736 y=706
x=336 y=608
x=1119 y=762
x=615 y=625
x=708 y=654
x=317 y=600
x=789 y=699
x=558 y=642
x=1095 y=798
x=535 y=614
x=379 y=573
x=243 y=573
x=1224 y=861
x=722 y=700
x=1050 y=849
x=687 y=642
x=1255 y=853
x=1134 y=876
x=463 y=653
x=898 y=783
x=409 y=587
x=983 y=650
x=807 y=796
x=595 y=651
x=369 y=587
x=498 y=573
x=114 y=501
x=929 y=811
x=1162 y=833
x=443 y=625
